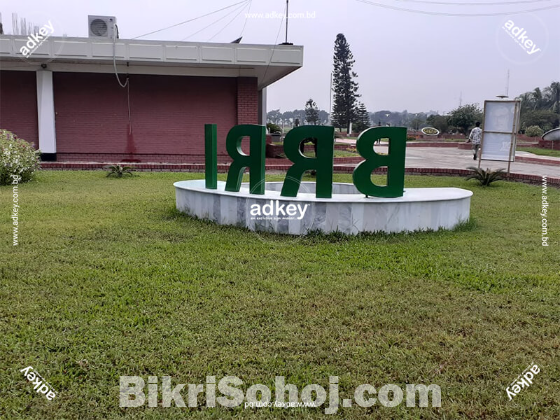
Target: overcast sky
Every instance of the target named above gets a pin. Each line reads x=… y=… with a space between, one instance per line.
x=404 y=60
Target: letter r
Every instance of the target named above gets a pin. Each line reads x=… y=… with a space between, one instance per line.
x=323 y=163
x=255 y=161
x=136 y=390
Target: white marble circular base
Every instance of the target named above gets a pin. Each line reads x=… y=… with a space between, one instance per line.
x=348 y=211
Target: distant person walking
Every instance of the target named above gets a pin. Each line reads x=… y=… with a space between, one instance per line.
x=474 y=137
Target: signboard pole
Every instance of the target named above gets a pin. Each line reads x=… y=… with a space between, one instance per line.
x=480 y=150
x=481 y=141
x=513 y=145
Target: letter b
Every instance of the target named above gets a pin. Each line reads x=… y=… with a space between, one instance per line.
x=394 y=161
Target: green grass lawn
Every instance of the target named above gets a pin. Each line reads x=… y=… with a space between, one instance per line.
x=109 y=280
x=540 y=151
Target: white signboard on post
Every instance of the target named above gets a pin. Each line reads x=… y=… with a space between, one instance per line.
x=501 y=123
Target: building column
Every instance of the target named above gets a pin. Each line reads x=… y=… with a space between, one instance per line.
x=262 y=106
x=247 y=100
x=46 y=115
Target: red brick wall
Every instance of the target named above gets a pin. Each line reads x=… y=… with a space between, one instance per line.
x=18 y=104
x=168 y=114
x=549 y=144
x=247 y=106
x=247 y=101
x=136 y=158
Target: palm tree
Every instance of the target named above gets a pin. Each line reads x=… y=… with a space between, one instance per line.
x=537 y=97
x=526 y=101
x=552 y=96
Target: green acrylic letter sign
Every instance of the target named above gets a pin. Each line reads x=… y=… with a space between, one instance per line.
x=255 y=161
x=394 y=162
x=211 y=156
x=323 y=163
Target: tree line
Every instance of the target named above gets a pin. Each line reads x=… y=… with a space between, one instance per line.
x=540 y=109
x=288 y=118
x=540 y=112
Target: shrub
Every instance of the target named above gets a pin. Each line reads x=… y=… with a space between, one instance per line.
x=118 y=170
x=485 y=177
x=410 y=138
x=17 y=158
x=273 y=128
x=534 y=131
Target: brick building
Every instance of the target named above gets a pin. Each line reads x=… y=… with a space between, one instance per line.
x=66 y=98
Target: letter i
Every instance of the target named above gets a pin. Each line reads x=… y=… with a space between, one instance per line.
x=210 y=391
x=211 y=156
x=152 y=391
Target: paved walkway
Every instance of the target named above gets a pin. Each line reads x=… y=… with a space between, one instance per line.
x=455 y=158
x=448 y=157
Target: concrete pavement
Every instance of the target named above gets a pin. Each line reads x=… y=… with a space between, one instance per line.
x=461 y=159
x=447 y=157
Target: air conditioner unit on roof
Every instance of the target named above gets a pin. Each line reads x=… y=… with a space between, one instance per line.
x=102 y=27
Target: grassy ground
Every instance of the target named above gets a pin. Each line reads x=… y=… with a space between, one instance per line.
x=110 y=280
x=540 y=151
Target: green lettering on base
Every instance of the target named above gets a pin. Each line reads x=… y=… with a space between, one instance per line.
x=394 y=161
x=255 y=161
x=322 y=164
x=211 y=156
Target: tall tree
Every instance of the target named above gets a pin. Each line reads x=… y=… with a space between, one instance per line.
x=526 y=101
x=323 y=117
x=299 y=114
x=311 y=112
x=538 y=98
x=288 y=117
x=362 y=118
x=465 y=117
x=274 y=116
x=541 y=107
x=552 y=94
x=345 y=87
x=417 y=121
x=545 y=119
x=440 y=122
